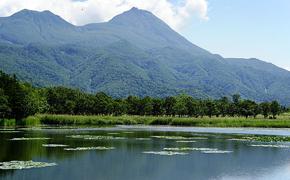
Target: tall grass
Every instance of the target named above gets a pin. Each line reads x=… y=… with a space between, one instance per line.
x=7 y=122
x=283 y=121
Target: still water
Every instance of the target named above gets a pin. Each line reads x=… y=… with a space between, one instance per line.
x=125 y=153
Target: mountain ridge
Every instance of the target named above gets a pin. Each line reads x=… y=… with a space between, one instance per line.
x=135 y=53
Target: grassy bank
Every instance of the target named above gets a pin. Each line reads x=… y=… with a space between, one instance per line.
x=283 y=121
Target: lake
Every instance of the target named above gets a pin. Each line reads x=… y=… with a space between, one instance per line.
x=141 y=153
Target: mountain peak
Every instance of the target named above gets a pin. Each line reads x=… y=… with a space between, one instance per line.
x=137 y=18
x=27 y=12
x=39 y=16
x=134 y=9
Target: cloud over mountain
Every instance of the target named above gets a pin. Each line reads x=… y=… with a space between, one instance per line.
x=80 y=12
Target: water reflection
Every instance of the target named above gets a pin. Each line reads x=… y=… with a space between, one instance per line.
x=127 y=160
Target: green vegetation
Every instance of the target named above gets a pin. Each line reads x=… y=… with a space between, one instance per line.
x=133 y=54
x=64 y=106
x=265 y=138
x=283 y=121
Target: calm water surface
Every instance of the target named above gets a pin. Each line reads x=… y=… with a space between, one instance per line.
x=129 y=162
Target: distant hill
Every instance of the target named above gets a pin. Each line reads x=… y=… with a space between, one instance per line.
x=135 y=53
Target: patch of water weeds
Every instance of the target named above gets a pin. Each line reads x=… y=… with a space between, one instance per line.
x=262 y=138
x=216 y=152
x=9 y=132
x=190 y=149
x=89 y=148
x=165 y=153
x=28 y=139
x=270 y=145
x=113 y=133
x=92 y=137
x=177 y=137
x=185 y=141
x=143 y=139
x=24 y=165
x=54 y=145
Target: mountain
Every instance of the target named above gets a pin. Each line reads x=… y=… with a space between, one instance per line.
x=135 y=53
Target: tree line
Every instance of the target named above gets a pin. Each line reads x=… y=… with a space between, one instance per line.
x=19 y=100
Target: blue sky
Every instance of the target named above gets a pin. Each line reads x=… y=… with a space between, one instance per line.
x=245 y=28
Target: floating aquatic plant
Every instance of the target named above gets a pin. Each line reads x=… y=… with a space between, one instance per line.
x=10 y=131
x=104 y=138
x=28 y=139
x=24 y=165
x=189 y=149
x=172 y=137
x=113 y=133
x=216 y=152
x=185 y=141
x=199 y=138
x=91 y=137
x=270 y=145
x=143 y=139
x=263 y=138
x=54 y=145
x=236 y=139
x=165 y=153
x=88 y=148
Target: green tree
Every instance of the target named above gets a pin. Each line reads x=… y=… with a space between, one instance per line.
x=157 y=107
x=248 y=108
x=168 y=105
x=119 y=107
x=265 y=109
x=62 y=100
x=5 y=110
x=180 y=107
x=85 y=104
x=223 y=106
x=236 y=98
x=211 y=108
x=133 y=103
x=275 y=108
x=103 y=103
x=146 y=106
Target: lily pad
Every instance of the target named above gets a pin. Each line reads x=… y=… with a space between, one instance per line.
x=270 y=145
x=54 y=145
x=172 y=137
x=185 y=141
x=216 y=152
x=235 y=139
x=28 y=139
x=113 y=133
x=24 y=165
x=143 y=139
x=263 y=138
x=88 y=148
x=9 y=132
x=91 y=137
x=165 y=153
x=199 y=138
x=189 y=149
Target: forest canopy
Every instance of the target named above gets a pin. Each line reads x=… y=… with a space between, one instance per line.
x=19 y=100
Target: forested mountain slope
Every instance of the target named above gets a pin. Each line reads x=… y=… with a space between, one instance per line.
x=135 y=53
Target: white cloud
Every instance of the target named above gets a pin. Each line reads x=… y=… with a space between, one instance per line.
x=80 y=12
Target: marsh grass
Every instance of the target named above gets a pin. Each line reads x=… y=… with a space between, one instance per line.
x=283 y=121
x=7 y=122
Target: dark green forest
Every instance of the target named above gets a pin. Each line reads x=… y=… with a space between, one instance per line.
x=19 y=100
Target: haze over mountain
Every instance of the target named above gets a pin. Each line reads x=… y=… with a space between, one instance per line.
x=135 y=53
